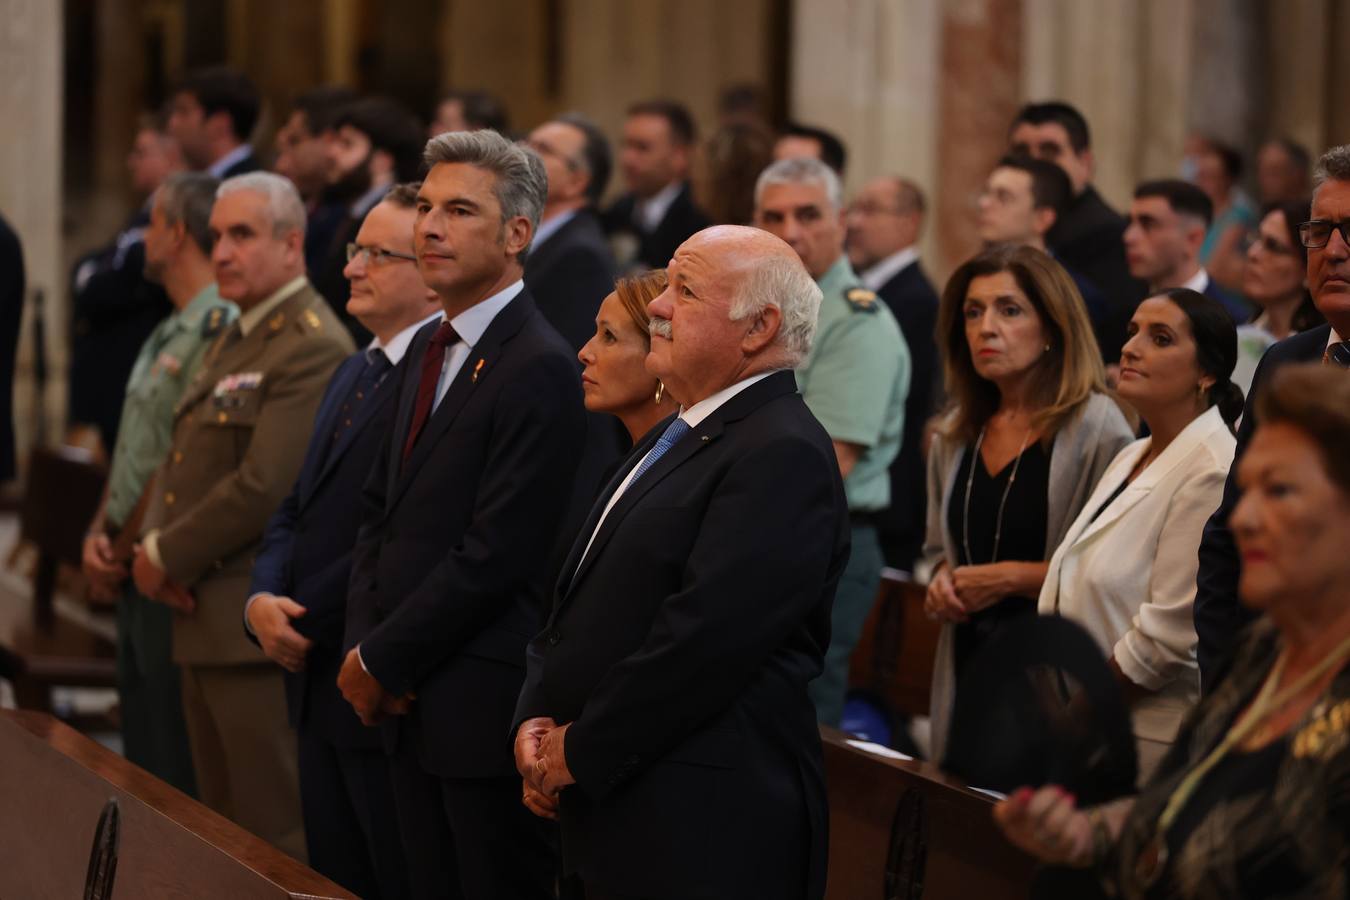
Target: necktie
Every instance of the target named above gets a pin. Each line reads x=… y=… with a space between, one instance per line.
x=426 y=387
x=674 y=431
x=1337 y=354
x=372 y=373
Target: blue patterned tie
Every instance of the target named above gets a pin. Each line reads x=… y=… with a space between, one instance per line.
x=674 y=431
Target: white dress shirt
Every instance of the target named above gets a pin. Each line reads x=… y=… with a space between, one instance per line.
x=649 y=213
x=398 y=345
x=549 y=227
x=218 y=168
x=875 y=277
x=470 y=326
x=1198 y=282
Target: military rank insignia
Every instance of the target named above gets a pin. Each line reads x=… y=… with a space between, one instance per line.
x=861 y=300
x=312 y=319
x=277 y=321
x=213 y=321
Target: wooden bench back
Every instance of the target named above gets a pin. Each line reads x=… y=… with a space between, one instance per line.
x=894 y=656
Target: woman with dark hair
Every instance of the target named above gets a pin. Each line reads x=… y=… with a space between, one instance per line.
x=1028 y=433
x=1253 y=799
x=1126 y=569
x=1275 y=279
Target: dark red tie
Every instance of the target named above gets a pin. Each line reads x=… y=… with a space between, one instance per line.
x=426 y=388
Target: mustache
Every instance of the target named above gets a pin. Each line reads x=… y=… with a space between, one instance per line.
x=659 y=327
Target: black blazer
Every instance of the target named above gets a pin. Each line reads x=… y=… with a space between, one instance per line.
x=655 y=249
x=569 y=274
x=306 y=551
x=680 y=652
x=1219 y=617
x=911 y=297
x=451 y=572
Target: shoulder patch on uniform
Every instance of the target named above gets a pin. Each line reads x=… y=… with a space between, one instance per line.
x=861 y=299
x=277 y=321
x=312 y=319
x=214 y=321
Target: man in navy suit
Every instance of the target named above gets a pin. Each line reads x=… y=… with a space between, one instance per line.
x=451 y=571
x=298 y=602
x=665 y=718
x=212 y=115
x=1168 y=221
x=1219 y=617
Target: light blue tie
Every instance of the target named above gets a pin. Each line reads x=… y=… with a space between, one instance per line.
x=674 y=431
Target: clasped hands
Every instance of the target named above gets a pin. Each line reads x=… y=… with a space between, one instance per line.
x=366 y=695
x=154 y=582
x=955 y=594
x=542 y=763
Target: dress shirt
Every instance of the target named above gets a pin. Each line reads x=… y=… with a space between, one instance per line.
x=218 y=168
x=366 y=202
x=399 y=343
x=647 y=214
x=693 y=417
x=1198 y=282
x=877 y=276
x=549 y=227
x=1333 y=339
x=470 y=325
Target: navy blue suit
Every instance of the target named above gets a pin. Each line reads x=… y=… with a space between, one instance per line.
x=1219 y=617
x=450 y=578
x=346 y=798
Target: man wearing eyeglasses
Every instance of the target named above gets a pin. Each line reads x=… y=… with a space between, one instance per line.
x=298 y=601
x=1218 y=616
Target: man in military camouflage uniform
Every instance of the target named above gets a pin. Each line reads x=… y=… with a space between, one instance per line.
x=177 y=256
x=855 y=382
x=239 y=437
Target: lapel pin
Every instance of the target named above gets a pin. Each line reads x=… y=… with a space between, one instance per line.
x=473 y=379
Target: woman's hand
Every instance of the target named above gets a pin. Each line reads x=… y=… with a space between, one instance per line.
x=980 y=587
x=941 y=602
x=1047 y=824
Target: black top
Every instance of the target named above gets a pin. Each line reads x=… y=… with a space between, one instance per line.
x=1022 y=535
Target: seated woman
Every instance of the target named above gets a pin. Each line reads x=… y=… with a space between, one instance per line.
x=1029 y=432
x=1253 y=799
x=615 y=379
x=1126 y=569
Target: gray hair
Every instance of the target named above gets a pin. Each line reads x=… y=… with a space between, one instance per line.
x=187 y=197
x=783 y=282
x=284 y=206
x=521 y=182
x=1333 y=166
x=801 y=170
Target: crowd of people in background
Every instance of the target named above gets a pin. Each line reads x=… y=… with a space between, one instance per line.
x=334 y=658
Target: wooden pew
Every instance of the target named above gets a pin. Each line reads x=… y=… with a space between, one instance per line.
x=55 y=783
x=901 y=830
x=894 y=656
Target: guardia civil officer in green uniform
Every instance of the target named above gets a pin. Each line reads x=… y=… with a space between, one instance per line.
x=240 y=432
x=855 y=382
x=177 y=256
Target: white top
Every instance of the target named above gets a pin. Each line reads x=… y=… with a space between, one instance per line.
x=398 y=345
x=1128 y=575
x=876 y=276
x=649 y=213
x=693 y=417
x=470 y=325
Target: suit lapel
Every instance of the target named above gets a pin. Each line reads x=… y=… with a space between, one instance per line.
x=320 y=451
x=368 y=408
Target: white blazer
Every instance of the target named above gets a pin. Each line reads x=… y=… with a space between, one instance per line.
x=1128 y=576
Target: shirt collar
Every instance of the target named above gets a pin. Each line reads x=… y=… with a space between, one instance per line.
x=694 y=415
x=471 y=323
x=1334 y=338
x=222 y=165
x=651 y=211
x=250 y=319
x=549 y=227
x=398 y=344
x=197 y=307
x=877 y=276
x=1198 y=282
x=366 y=202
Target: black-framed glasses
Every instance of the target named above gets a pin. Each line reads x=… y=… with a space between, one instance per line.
x=375 y=255
x=1317 y=233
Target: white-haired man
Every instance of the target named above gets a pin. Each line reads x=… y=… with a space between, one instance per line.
x=855 y=381
x=234 y=454
x=665 y=718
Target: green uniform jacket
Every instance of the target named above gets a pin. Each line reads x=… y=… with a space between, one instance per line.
x=239 y=438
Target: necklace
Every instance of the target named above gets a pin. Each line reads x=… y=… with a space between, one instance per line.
x=1152 y=860
x=1007 y=488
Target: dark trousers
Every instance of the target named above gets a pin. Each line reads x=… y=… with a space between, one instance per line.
x=351 y=826
x=470 y=838
x=149 y=690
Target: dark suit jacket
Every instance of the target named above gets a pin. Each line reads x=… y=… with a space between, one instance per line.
x=911 y=297
x=1088 y=237
x=1219 y=617
x=12 y=287
x=655 y=249
x=1237 y=307
x=680 y=652
x=569 y=274
x=247 y=164
x=328 y=279
x=451 y=571
x=306 y=551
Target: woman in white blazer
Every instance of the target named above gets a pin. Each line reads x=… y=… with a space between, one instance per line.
x=1126 y=568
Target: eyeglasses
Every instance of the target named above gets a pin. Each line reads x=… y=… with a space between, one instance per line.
x=1317 y=233
x=375 y=255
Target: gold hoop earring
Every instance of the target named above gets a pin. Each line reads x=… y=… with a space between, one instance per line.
x=660 y=391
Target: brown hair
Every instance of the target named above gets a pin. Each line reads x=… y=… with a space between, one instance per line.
x=1065 y=376
x=1315 y=399
x=636 y=291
